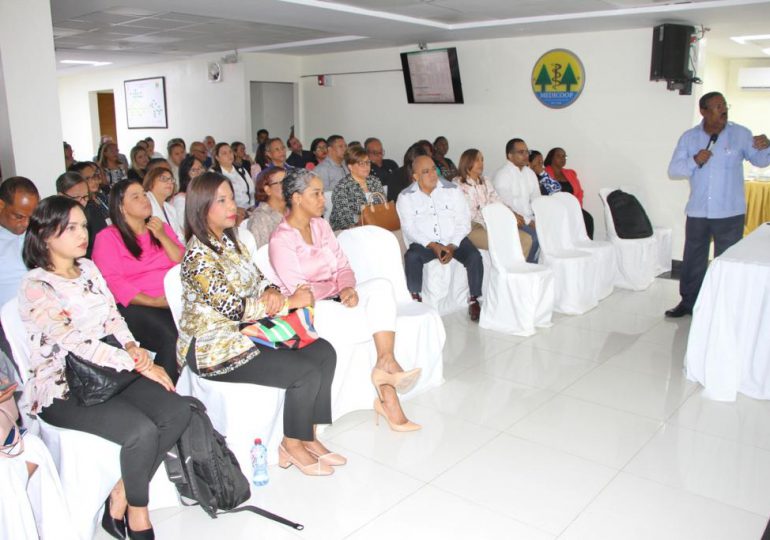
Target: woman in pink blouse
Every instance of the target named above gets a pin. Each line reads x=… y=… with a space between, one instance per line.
x=304 y=250
x=134 y=254
x=67 y=308
x=478 y=191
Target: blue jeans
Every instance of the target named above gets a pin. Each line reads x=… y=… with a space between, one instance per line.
x=532 y=255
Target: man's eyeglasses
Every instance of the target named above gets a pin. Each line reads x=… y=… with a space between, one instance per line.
x=79 y=198
x=166 y=179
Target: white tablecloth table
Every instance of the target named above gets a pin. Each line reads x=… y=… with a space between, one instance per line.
x=728 y=350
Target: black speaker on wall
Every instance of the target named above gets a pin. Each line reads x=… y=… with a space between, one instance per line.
x=671 y=53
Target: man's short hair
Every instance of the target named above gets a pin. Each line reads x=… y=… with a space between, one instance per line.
x=703 y=102
x=333 y=139
x=67 y=181
x=149 y=139
x=174 y=142
x=80 y=166
x=369 y=141
x=263 y=130
x=14 y=184
x=510 y=144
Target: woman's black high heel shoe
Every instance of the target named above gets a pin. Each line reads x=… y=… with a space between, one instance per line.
x=147 y=534
x=115 y=527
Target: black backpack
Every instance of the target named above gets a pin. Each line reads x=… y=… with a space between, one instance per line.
x=204 y=469
x=629 y=217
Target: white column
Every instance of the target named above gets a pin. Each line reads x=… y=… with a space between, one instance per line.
x=30 y=120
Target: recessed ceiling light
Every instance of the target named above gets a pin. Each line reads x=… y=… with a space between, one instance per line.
x=85 y=62
x=743 y=39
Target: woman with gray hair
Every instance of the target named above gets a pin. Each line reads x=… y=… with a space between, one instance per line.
x=305 y=252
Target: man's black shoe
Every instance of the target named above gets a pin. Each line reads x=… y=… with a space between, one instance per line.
x=679 y=311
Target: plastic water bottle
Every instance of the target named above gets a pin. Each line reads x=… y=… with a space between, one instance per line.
x=259 y=463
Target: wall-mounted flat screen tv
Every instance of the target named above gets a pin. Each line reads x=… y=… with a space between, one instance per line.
x=432 y=76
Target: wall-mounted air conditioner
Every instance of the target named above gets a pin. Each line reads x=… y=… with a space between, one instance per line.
x=754 y=78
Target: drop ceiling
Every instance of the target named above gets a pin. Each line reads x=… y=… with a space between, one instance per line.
x=126 y=32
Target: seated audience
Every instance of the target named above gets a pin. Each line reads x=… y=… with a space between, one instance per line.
x=97 y=209
x=276 y=154
x=271 y=209
x=384 y=169
x=319 y=149
x=73 y=186
x=298 y=158
x=222 y=290
x=209 y=143
x=189 y=168
x=139 y=160
x=332 y=169
x=151 y=153
x=69 y=161
x=134 y=254
x=113 y=167
x=478 y=193
x=404 y=176
x=305 y=253
x=548 y=185
x=517 y=186
x=354 y=191
x=554 y=163
x=242 y=184
x=241 y=159
x=159 y=185
x=436 y=221
x=198 y=149
x=66 y=307
x=176 y=153
x=445 y=165
x=18 y=200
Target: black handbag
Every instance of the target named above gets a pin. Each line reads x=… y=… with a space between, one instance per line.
x=91 y=383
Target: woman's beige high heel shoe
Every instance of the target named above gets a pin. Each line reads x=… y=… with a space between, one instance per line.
x=402 y=382
x=379 y=410
x=332 y=458
x=286 y=460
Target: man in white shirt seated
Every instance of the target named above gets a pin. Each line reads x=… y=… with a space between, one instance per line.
x=332 y=169
x=517 y=186
x=435 y=221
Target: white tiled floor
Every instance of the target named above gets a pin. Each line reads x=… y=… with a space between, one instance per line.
x=587 y=430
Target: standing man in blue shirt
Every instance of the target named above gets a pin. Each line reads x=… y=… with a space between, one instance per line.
x=711 y=155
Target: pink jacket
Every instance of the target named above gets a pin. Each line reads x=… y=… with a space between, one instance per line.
x=323 y=265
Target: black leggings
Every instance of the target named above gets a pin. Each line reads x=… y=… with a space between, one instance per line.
x=306 y=375
x=156 y=332
x=145 y=419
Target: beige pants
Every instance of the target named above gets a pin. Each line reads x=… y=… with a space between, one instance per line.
x=478 y=237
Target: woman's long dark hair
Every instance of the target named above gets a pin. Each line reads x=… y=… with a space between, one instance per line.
x=50 y=218
x=184 y=172
x=200 y=196
x=117 y=194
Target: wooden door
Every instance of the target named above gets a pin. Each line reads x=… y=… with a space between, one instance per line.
x=106 y=104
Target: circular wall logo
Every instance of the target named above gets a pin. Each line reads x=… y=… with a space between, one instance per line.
x=558 y=78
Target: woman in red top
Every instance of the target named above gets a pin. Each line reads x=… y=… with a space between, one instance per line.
x=134 y=254
x=568 y=179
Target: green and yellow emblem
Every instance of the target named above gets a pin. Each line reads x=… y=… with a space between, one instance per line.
x=558 y=78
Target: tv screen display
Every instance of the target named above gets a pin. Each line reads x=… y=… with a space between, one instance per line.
x=432 y=76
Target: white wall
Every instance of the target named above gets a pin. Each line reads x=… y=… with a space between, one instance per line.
x=748 y=107
x=195 y=107
x=621 y=131
x=272 y=108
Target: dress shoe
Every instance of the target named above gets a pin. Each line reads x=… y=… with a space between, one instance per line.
x=147 y=534
x=416 y=297
x=379 y=410
x=114 y=527
x=286 y=460
x=332 y=458
x=679 y=311
x=474 y=309
x=402 y=381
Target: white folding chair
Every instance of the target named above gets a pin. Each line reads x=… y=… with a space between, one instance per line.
x=88 y=465
x=354 y=347
x=607 y=273
x=574 y=270
x=246 y=238
x=373 y=253
x=231 y=406
x=520 y=295
x=637 y=258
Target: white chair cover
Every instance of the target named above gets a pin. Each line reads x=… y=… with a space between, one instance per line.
x=573 y=269
x=637 y=258
x=329 y=205
x=245 y=236
x=520 y=295
x=607 y=272
x=445 y=286
x=374 y=253
x=662 y=237
x=88 y=465
x=231 y=406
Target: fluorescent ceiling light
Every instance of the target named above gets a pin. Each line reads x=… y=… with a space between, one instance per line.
x=766 y=51
x=85 y=62
x=667 y=8
x=743 y=39
x=304 y=43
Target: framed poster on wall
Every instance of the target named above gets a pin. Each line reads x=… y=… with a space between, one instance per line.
x=146 y=103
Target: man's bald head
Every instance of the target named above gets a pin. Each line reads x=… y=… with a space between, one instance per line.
x=424 y=173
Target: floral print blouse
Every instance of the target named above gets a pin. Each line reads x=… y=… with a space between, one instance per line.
x=477 y=195
x=220 y=290
x=348 y=198
x=67 y=315
x=262 y=222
